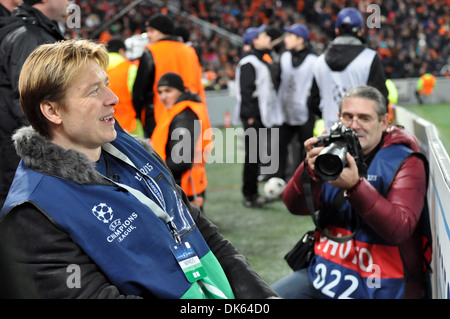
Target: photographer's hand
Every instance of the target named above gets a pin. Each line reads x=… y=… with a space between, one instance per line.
x=311 y=151
x=349 y=176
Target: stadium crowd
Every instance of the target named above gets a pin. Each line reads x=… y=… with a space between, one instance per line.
x=412 y=38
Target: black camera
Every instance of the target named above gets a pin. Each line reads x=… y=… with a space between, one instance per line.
x=332 y=159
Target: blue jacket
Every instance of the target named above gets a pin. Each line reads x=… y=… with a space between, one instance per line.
x=129 y=243
x=365 y=266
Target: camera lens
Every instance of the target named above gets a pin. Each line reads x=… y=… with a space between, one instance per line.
x=330 y=164
x=331 y=161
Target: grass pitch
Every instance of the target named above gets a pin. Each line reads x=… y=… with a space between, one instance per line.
x=263 y=235
x=439 y=115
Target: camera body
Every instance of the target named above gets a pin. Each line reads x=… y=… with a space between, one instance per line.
x=332 y=159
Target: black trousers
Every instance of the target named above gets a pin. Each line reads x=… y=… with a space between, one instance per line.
x=252 y=161
x=8 y=166
x=294 y=136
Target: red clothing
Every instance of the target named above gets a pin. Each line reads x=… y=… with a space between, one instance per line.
x=395 y=217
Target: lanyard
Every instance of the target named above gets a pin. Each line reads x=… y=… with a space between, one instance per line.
x=154 y=189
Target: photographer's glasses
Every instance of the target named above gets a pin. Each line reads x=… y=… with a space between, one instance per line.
x=362 y=120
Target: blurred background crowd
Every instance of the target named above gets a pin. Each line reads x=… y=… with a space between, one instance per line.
x=413 y=37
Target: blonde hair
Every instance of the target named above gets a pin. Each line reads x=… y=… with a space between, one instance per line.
x=48 y=72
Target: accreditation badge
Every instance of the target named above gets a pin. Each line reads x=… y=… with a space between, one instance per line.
x=189 y=261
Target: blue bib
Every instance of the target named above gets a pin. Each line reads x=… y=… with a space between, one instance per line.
x=365 y=266
x=124 y=237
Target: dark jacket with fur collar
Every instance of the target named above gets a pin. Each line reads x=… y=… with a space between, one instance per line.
x=42 y=251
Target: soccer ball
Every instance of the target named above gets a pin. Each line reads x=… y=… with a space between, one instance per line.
x=103 y=212
x=274 y=187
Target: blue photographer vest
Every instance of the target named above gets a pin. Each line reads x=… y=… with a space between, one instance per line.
x=124 y=237
x=366 y=266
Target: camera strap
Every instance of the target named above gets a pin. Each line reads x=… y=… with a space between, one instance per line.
x=337 y=203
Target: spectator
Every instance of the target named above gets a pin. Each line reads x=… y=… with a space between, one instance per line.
x=122 y=74
x=346 y=63
x=183 y=33
x=107 y=204
x=391 y=215
x=32 y=23
x=185 y=123
x=165 y=53
x=403 y=25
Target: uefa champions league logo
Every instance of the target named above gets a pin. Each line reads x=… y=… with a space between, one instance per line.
x=119 y=229
x=103 y=212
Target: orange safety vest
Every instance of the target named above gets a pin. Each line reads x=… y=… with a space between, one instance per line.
x=193 y=181
x=124 y=111
x=427 y=84
x=177 y=57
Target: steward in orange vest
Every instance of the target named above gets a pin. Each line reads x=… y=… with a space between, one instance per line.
x=122 y=74
x=426 y=83
x=165 y=53
x=180 y=139
x=424 y=86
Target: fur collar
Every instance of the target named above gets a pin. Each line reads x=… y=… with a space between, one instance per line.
x=45 y=157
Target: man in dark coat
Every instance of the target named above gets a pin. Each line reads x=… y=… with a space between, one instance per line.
x=32 y=23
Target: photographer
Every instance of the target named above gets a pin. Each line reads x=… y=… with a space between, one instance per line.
x=384 y=210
